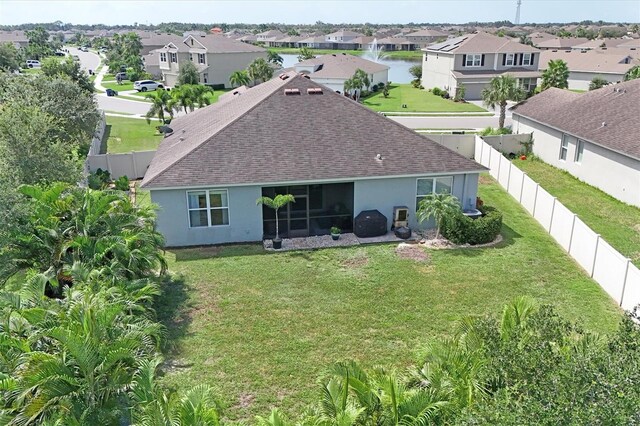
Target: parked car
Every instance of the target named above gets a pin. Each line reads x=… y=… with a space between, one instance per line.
x=145 y=85
x=111 y=92
x=59 y=53
x=32 y=63
x=84 y=49
x=121 y=76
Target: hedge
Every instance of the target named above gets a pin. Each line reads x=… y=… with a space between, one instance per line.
x=461 y=229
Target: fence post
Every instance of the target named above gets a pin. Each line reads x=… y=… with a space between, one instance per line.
x=624 y=281
x=573 y=225
x=553 y=210
x=108 y=164
x=524 y=175
x=535 y=201
x=509 y=175
x=489 y=163
x=595 y=255
x=481 y=149
x=499 y=164
x=135 y=166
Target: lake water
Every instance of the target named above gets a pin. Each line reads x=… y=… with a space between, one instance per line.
x=398 y=68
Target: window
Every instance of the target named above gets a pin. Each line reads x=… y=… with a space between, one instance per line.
x=201 y=58
x=526 y=59
x=579 y=151
x=473 y=61
x=208 y=208
x=564 y=147
x=436 y=185
x=510 y=60
x=163 y=57
x=173 y=57
x=205 y=78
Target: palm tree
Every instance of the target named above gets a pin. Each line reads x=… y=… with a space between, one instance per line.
x=276 y=203
x=260 y=69
x=438 y=206
x=305 y=53
x=500 y=90
x=632 y=73
x=556 y=75
x=274 y=58
x=201 y=95
x=239 y=78
x=161 y=103
x=361 y=81
x=183 y=98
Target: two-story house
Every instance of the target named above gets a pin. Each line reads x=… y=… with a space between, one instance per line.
x=342 y=36
x=423 y=38
x=215 y=57
x=473 y=60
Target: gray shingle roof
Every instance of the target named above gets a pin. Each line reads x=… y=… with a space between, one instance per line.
x=480 y=43
x=582 y=115
x=588 y=61
x=214 y=44
x=340 y=65
x=266 y=136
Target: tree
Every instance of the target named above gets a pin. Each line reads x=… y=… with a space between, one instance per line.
x=274 y=58
x=357 y=83
x=556 y=75
x=416 y=72
x=305 y=53
x=8 y=57
x=161 y=103
x=500 y=90
x=188 y=73
x=525 y=39
x=276 y=204
x=125 y=51
x=438 y=206
x=53 y=67
x=239 y=78
x=39 y=45
x=385 y=89
x=260 y=70
x=597 y=83
x=183 y=98
x=632 y=73
x=460 y=92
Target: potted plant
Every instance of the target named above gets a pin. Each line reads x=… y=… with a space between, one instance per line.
x=276 y=203
x=335 y=232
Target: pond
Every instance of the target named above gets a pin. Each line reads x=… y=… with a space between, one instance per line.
x=398 y=68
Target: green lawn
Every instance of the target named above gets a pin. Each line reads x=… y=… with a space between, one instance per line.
x=398 y=54
x=416 y=100
x=617 y=222
x=127 y=85
x=130 y=134
x=261 y=328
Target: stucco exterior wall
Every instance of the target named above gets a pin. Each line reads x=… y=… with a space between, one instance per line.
x=222 y=65
x=614 y=173
x=337 y=84
x=436 y=70
x=579 y=80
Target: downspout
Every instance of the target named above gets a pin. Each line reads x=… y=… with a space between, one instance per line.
x=464 y=190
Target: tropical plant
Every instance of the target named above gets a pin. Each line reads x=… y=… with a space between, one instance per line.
x=274 y=58
x=500 y=90
x=305 y=53
x=183 y=98
x=460 y=92
x=201 y=95
x=357 y=83
x=556 y=75
x=8 y=57
x=525 y=39
x=161 y=103
x=438 y=206
x=259 y=69
x=385 y=89
x=416 y=71
x=632 y=73
x=188 y=73
x=239 y=78
x=597 y=83
x=335 y=230
x=276 y=203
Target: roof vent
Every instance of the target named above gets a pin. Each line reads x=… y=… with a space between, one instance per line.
x=314 y=91
x=379 y=157
x=283 y=76
x=604 y=124
x=289 y=92
x=307 y=76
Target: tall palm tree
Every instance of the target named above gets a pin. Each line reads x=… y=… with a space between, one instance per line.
x=201 y=95
x=183 y=98
x=260 y=69
x=161 y=103
x=239 y=78
x=438 y=206
x=276 y=203
x=274 y=58
x=500 y=90
x=556 y=75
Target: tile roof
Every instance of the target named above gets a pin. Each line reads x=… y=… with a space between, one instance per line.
x=588 y=61
x=582 y=114
x=340 y=65
x=480 y=43
x=266 y=136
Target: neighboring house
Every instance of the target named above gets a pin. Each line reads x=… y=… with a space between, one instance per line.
x=342 y=36
x=292 y=135
x=157 y=41
x=271 y=35
x=316 y=42
x=474 y=59
x=585 y=65
x=538 y=37
x=423 y=38
x=595 y=136
x=390 y=44
x=334 y=69
x=600 y=43
x=560 y=43
x=152 y=64
x=17 y=38
x=215 y=57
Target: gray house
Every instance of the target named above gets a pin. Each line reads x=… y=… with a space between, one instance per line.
x=293 y=135
x=595 y=136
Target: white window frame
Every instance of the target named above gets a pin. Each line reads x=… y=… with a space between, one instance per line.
x=433 y=187
x=163 y=57
x=472 y=59
x=511 y=57
x=208 y=193
x=173 y=56
x=526 y=59
x=564 y=147
x=202 y=59
x=205 y=78
x=579 y=151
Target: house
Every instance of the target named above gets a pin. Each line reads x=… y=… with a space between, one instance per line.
x=17 y=38
x=389 y=44
x=152 y=64
x=423 y=38
x=342 y=36
x=585 y=65
x=472 y=60
x=270 y=35
x=334 y=69
x=594 y=135
x=157 y=41
x=599 y=43
x=560 y=43
x=293 y=135
x=215 y=57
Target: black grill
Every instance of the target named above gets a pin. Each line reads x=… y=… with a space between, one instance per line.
x=370 y=223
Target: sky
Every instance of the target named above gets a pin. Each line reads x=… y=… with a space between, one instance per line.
x=310 y=11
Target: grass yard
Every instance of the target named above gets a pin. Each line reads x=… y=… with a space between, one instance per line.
x=262 y=328
x=617 y=222
x=127 y=85
x=130 y=134
x=416 y=100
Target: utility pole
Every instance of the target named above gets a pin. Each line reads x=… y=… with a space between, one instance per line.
x=518 y=13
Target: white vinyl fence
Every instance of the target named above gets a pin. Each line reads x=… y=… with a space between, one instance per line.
x=614 y=272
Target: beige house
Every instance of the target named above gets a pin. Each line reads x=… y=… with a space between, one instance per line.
x=473 y=60
x=17 y=38
x=594 y=135
x=559 y=43
x=423 y=38
x=215 y=57
x=342 y=36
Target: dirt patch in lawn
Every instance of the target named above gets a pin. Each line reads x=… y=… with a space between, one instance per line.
x=412 y=252
x=245 y=400
x=357 y=260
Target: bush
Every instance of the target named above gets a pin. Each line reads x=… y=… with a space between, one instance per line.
x=436 y=91
x=444 y=94
x=99 y=179
x=122 y=183
x=490 y=131
x=461 y=229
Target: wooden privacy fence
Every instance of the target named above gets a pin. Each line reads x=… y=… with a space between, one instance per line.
x=615 y=273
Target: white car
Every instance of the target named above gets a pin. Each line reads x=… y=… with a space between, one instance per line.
x=145 y=85
x=32 y=63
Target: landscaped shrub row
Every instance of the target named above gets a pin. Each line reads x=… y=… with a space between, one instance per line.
x=461 y=229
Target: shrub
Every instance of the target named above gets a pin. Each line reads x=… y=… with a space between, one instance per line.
x=99 y=179
x=122 y=183
x=444 y=94
x=460 y=92
x=461 y=229
x=436 y=91
x=490 y=131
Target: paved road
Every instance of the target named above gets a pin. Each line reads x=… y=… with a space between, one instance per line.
x=88 y=60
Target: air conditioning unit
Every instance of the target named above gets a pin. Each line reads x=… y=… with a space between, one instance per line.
x=400 y=217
